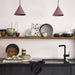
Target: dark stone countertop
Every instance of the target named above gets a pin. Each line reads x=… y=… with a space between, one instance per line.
x=46 y=61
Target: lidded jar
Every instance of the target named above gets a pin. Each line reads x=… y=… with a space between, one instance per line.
x=23 y=52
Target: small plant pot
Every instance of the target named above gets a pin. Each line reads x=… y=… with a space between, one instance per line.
x=3 y=33
x=17 y=34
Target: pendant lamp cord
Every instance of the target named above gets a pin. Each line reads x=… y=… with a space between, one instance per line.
x=58 y=2
x=19 y=2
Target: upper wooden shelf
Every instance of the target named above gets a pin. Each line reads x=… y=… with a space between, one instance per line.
x=37 y=37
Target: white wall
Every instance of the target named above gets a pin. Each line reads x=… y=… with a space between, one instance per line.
x=38 y=11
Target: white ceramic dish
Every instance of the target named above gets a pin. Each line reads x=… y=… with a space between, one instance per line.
x=46 y=28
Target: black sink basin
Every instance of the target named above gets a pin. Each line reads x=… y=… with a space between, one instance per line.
x=71 y=60
x=58 y=61
x=53 y=61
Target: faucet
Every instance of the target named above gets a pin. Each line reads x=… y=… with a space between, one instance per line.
x=65 y=55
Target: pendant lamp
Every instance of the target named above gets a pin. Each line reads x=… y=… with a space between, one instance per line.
x=58 y=11
x=20 y=11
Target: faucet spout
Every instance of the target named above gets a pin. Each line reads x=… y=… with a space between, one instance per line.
x=65 y=55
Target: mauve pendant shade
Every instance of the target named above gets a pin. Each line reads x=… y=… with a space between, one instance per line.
x=20 y=11
x=58 y=11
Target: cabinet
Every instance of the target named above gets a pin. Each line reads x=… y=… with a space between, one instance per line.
x=73 y=70
x=47 y=69
x=15 y=69
x=56 y=70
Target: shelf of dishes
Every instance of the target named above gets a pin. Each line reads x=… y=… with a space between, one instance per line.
x=37 y=37
x=45 y=31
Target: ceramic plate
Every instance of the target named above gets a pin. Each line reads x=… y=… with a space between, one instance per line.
x=12 y=49
x=46 y=28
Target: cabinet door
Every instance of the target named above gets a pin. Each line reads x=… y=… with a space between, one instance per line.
x=73 y=70
x=20 y=70
x=15 y=70
x=0 y=70
x=55 y=70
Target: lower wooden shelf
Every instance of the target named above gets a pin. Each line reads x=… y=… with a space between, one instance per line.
x=37 y=37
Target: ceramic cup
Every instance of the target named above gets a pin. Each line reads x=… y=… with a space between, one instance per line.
x=3 y=33
x=17 y=34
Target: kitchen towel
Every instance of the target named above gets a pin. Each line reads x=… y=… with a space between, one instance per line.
x=36 y=67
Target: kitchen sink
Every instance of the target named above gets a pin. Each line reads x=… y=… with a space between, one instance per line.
x=53 y=61
x=71 y=60
x=58 y=61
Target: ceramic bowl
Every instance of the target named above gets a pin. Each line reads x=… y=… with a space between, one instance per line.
x=10 y=31
x=46 y=30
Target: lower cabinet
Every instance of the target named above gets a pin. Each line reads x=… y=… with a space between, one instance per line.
x=48 y=69
x=15 y=70
x=73 y=70
x=55 y=70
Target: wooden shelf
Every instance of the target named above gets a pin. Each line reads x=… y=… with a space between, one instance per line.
x=37 y=37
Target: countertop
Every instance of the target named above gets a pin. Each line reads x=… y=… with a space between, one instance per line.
x=46 y=61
